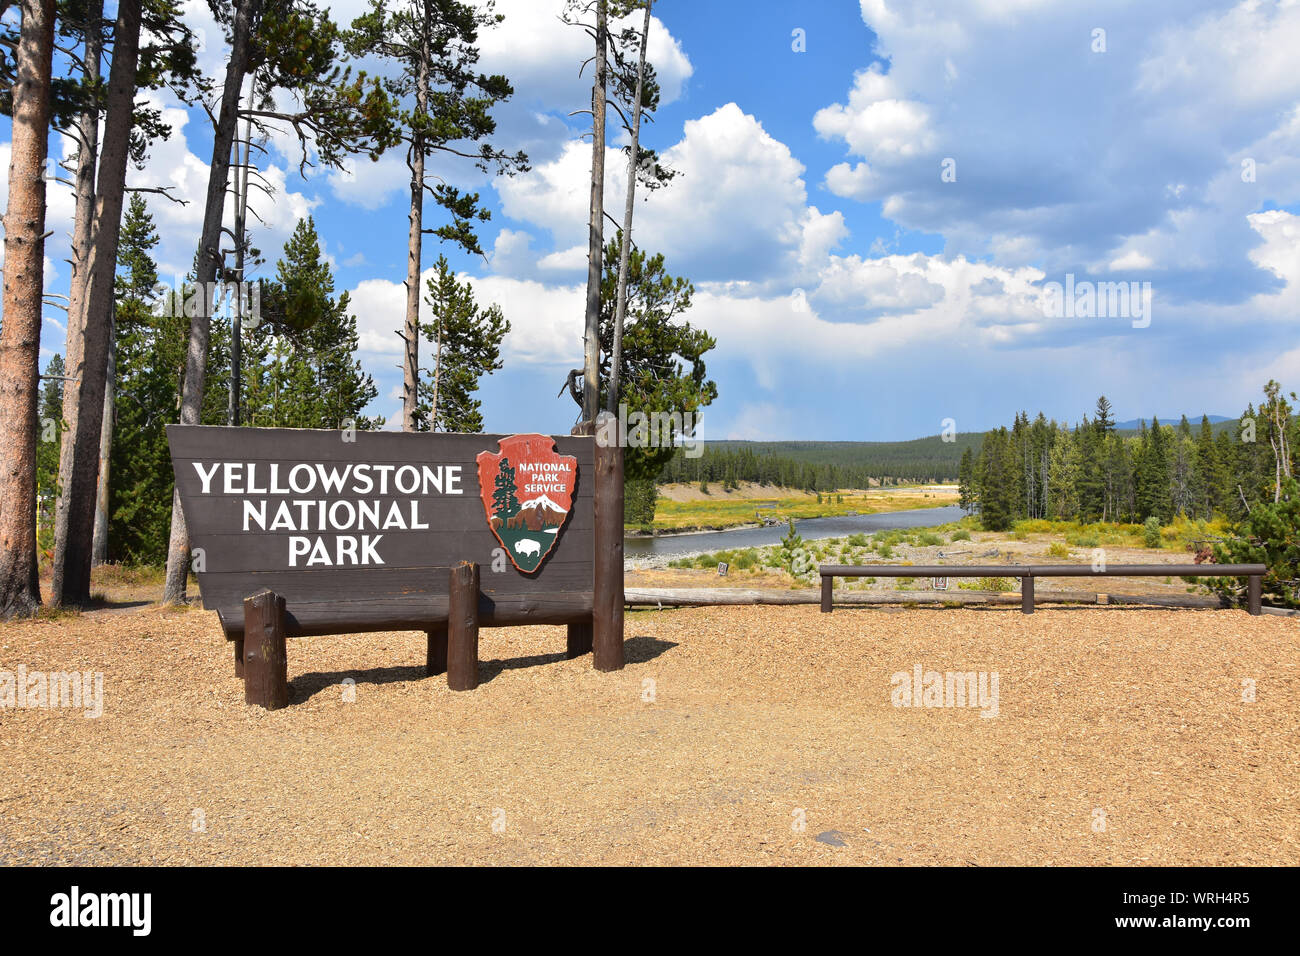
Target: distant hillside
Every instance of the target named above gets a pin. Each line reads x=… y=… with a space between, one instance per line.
x=826 y=465
x=1132 y=424
x=912 y=458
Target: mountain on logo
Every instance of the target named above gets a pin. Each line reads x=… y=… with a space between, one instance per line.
x=536 y=514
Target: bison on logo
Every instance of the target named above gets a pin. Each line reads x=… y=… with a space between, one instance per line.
x=527 y=490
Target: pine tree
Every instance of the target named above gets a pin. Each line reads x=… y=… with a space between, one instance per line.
x=1104 y=419
x=300 y=365
x=997 y=481
x=662 y=357
x=439 y=103
x=1064 y=471
x=965 y=480
x=504 y=502
x=150 y=360
x=1091 y=485
x=466 y=346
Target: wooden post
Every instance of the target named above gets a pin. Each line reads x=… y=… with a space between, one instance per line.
x=579 y=640
x=462 y=627
x=607 y=586
x=266 y=664
x=239 y=656
x=1253 y=588
x=1027 y=594
x=436 y=661
x=828 y=605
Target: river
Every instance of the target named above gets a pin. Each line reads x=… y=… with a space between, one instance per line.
x=809 y=528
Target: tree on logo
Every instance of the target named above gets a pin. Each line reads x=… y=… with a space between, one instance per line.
x=504 y=502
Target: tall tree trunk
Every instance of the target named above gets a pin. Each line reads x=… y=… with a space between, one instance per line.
x=241 y=241
x=437 y=357
x=625 y=248
x=415 y=241
x=99 y=548
x=209 y=258
x=84 y=214
x=20 y=337
x=74 y=519
x=595 y=226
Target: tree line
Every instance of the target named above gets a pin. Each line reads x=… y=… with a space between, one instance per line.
x=727 y=467
x=1093 y=472
x=821 y=466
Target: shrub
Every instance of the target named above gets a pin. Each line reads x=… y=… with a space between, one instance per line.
x=1034 y=526
x=1058 y=549
x=985 y=584
x=962 y=535
x=639 y=499
x=928 y=539
x=1269 y=535
x=1151 y=532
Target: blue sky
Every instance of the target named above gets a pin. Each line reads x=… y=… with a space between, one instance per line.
x=855 y=292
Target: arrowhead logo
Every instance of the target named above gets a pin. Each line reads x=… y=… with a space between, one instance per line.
x=527 y=490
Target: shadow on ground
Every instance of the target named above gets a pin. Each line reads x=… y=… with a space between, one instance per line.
x=636 y=650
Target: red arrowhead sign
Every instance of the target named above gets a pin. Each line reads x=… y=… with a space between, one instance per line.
x=527 y=490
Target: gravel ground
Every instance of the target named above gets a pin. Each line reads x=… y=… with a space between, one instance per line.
x=761 y=719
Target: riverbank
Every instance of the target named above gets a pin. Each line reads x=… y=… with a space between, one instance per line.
x=685 y=509
x=955 y=543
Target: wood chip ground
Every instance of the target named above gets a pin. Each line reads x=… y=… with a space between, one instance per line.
x=734 y=736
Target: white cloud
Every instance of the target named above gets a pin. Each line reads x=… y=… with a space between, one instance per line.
x=541 y=55
x=738 y=211
x=877 y=123
x=1280 y=254
x=546 y=320
x=368 y=184
x=1010 y=90
x=1133 y=259
x=566 y=260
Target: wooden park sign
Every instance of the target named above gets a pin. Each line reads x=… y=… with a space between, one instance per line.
x=298 y=532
